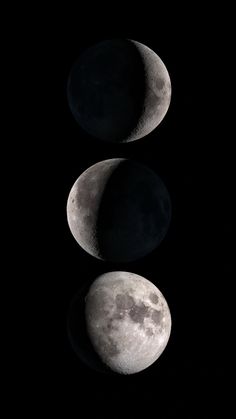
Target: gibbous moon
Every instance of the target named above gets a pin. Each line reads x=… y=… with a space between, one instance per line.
x=118 y=210
x=119 y=90
x=128 y=321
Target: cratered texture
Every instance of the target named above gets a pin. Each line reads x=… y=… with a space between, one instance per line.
x=128 y=321
x=119 y=90
x=118 y=210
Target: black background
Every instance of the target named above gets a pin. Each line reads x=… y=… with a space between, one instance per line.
x=192 y=266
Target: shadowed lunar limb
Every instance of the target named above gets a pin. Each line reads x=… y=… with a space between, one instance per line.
x=78 y=335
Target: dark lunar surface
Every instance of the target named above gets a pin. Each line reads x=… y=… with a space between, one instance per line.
x=102 y=89
x=133 y=214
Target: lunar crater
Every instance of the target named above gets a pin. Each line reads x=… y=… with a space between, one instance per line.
x=154 y=298
x=160 y=83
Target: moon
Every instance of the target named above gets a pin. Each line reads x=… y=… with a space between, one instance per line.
x=128 y=321
x=119 y=90
x=118 y=210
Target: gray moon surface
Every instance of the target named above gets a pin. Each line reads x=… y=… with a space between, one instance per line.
x=118 y=210
x=128 y=321
x=119 y=90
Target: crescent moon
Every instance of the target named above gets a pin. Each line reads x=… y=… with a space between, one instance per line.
x=119 y=90
x=158 y=93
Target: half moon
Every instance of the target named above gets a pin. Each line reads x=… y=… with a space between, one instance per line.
x=118 y=210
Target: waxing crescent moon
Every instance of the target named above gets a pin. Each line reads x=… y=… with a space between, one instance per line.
x=119 y=90
x=118 y=210
x=128 y=321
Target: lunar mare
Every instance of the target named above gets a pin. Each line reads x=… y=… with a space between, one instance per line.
x=128 y=321
x=118 y=210
x=119 y=90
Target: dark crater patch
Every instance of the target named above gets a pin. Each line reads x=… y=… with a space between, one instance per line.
x=156 y=316
x=154 y=298
x=124 y=301
x=160 y=83
x=138 y=313
x=149 y=332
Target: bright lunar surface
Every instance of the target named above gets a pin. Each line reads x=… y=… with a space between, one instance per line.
x=119 y=90
x=128 y=321
x=118 y=210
